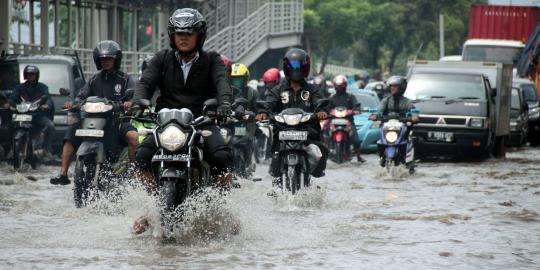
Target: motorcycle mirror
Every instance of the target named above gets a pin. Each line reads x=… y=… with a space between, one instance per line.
x=64 y=92
x=144 y=103
x=129 y=94
x=323 y=102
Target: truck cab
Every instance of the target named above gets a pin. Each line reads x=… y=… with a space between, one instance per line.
x=492 y=50
x=56 y=71
x=464 y=107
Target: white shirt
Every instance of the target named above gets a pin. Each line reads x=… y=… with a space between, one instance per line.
x=186 y=66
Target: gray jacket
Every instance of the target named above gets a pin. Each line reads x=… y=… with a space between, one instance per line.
x=388 y=104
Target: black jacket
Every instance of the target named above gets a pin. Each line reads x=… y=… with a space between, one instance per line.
x=343 y=100
x=283 y=96
x=207 y=79
x=112 y=86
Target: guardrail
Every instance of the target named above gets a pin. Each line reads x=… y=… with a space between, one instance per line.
x=131 y=61
x=339 y=70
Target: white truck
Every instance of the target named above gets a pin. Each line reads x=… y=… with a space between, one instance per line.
x=464 y=107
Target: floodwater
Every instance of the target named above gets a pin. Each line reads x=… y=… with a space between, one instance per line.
x=482 y=215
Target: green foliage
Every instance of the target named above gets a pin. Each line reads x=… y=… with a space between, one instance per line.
x=383 y=33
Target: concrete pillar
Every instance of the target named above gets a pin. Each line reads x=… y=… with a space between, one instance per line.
x=31 y=22
x=77 y=25
x=56 y=25
x=44 y=26
x=5 y=22
x=70 y=24
x=114 y=22
x=135 y=28
x=163 y=17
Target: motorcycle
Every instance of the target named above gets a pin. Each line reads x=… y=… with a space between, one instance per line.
x=24 y=143
x=235 y=132
x=396 y=145
x=263 y=141
x=178 y=165
x=90 y=167
x=340 y=129
x=296 y=156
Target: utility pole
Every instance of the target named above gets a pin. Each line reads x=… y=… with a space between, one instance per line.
x=441 y=35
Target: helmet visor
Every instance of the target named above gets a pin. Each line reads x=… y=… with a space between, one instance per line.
x=295 y=64
x=237 y=82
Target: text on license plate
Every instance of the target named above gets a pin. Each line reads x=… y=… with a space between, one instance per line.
x=240 y=131
x=176 y=157
x=22 y=118
x=89 y=133
x=440 y=136
x=290 y=135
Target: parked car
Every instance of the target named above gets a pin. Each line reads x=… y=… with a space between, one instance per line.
x=368 y=130
x=56 y=71
x=519 y=119
x=529 y=93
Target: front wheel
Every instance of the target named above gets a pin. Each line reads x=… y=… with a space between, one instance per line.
x=19 y=153
x=85 y=171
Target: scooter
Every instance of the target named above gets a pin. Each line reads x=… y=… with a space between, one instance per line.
x=340 y=129
x=24 y=143
x=396 y=145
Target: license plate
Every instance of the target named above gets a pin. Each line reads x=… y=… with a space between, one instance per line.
x=240 y=131
x=175 y=157
x=340 y=122
x=89 y=133
x=22 y=118
x=290 y=135
x=440 y=136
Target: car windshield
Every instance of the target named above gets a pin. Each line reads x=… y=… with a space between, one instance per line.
x=55 y=76
x=529 y=92
x=446 y=86
x=8 y=76
x=367 y=101
x=489 y=53
x=515 y=99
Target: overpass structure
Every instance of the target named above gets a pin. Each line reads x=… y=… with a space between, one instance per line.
x=241 y=29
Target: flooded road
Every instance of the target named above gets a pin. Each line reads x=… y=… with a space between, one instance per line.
x=448 y=216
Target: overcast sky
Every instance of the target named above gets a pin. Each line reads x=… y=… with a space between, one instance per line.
x=515 y=2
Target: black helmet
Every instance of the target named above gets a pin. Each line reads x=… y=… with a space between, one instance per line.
x=31 y=69
x=187 y=20
x=400 y=81
x=296 y=65
x=145 y=63
x=107 y=48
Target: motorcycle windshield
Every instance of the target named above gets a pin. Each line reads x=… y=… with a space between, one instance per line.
x=95 y=99
x=182 y=116
x=292 y=111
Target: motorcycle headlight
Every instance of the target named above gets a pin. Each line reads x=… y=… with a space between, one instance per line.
x=279 y=118
x=305 y=118
x=292 y=119
x=98 y=107
x=225 y=134
x=23 y=107
x=391 y=136
x=172 y=138
x=477 y=122
x=340 y=114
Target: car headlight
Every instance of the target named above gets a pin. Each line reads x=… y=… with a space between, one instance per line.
x=172 y=138
x=476 y=122
x=534 y=112
x=292 y=119
x=391 y=136
x=98 y=107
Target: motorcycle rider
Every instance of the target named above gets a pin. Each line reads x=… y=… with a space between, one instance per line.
x=343 y=99
x=270 y=78
x=187 y=76
x=319 y=82
x=32 y=90
x=239 y=82
x=295 y=92
x=111 y=83
x=395 y=103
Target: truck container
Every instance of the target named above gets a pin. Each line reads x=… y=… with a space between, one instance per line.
x=503 y=22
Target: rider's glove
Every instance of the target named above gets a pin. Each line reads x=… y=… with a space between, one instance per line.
x=224 y=109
